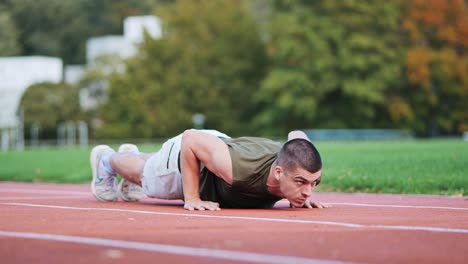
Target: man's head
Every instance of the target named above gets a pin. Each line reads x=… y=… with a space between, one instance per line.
x=298 y=169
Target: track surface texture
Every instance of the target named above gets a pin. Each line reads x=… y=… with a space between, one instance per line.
x=47 y=223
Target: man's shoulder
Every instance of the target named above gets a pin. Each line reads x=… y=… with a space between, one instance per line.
x=251 y=140
x=253 y=143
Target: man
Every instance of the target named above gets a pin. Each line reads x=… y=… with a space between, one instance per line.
x=209 y=170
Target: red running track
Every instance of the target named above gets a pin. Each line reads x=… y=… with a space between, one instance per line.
x=45 y=223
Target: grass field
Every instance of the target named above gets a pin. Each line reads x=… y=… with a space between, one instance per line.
x=413 y=166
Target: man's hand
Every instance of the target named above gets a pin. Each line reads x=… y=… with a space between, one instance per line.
x=311 y=204
x=197 y=204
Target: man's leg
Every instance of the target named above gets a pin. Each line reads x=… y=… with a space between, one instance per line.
x=106 y=163
x=129 y=165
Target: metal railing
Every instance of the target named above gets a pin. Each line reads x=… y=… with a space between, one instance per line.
x=357 y=134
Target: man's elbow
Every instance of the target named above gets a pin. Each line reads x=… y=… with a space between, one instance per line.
x=188 y=136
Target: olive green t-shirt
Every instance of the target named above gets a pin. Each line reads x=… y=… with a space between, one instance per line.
x=251 y=162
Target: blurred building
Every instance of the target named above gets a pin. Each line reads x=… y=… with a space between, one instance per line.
x=72 y=74
x=107 y=46
x=124 y=45
x=105 y=54
x=135 y=26
x=16 y=75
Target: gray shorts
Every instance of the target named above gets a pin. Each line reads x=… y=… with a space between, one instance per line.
x=161 y=175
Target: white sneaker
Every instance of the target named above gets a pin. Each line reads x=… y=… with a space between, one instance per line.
x=104 y=184
x=129 y=191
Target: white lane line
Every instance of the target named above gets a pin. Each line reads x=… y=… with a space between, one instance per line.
x=15 y=190
x=399 y=206
x=171 y=249
x=280 y=220
x=39 y=197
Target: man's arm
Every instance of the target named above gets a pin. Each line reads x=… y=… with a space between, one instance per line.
x=297 y=134
x=214 y=154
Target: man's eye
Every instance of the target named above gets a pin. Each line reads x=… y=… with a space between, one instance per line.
x=316 y=182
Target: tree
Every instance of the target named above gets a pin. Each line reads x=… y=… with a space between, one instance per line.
x=210 y=61
x=61 y=28
x=9 y=45
x=93 y=87
x=437 y=65
x=333 y=64
x=52 y=28
x=48 y=105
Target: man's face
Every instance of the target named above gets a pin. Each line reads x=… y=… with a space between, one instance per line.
x=297 y=185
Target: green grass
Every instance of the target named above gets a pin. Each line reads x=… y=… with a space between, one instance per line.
x=413 y=166
x=57 y=165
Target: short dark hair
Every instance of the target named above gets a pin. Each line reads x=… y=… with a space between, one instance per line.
x=299 y=153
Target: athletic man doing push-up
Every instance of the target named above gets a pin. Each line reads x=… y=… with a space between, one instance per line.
x=209 y=170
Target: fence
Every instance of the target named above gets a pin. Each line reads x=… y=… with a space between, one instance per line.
x=357 y=134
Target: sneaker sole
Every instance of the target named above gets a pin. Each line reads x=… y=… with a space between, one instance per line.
x=93 y=158
x=126 y=148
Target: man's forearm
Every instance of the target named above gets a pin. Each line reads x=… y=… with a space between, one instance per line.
x=190 y=167
x=196 y=148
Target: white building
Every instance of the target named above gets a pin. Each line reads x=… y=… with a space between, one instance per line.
x=135 y=26
x=106 y=52
x=125 y=45
x=16 y=75
x=72 y=74
x=107 y=46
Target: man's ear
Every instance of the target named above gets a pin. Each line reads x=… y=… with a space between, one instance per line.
x=278 y=171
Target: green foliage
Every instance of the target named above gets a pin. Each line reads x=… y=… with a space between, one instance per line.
x=94 y=85
x=436 y=63
x=9 y=45
x=333 y=64
x=49 y=104
x=61 y=28
x=209 y=61
x=51 y=28
x=263 y=67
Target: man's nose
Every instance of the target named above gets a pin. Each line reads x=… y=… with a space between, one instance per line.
x=307 y=190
